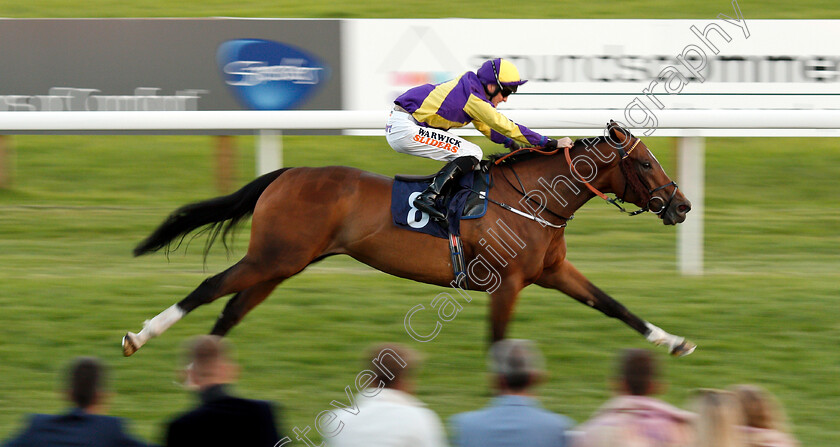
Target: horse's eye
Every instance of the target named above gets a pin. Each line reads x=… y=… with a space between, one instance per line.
x=646 y=164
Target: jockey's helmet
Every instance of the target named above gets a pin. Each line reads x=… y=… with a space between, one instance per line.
x=500 y=72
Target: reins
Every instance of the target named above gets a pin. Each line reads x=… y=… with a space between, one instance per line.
x=598 y=193
x=582 y=179
x=617 y=201
x=644 y=194
x=624 y=165
x=528 y=196
x=537 y=150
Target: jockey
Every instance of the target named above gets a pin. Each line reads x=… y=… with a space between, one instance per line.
x=422 y=116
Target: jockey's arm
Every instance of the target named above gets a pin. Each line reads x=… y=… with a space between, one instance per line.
x=496 y=137
x=498 y=128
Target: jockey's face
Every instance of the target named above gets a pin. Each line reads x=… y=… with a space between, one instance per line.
x=496 y=96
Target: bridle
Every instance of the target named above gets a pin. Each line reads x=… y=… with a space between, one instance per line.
x=625 y=163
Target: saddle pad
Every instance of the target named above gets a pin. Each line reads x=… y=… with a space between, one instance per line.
x=462 y=204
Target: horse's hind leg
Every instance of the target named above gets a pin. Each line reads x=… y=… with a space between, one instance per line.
x=567 y=279
x=241 y=304
x=240 y=276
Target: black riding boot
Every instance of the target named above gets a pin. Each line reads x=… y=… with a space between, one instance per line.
x=425 y=202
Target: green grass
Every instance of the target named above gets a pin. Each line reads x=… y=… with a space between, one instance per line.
x=533 y=9
x=766 y=312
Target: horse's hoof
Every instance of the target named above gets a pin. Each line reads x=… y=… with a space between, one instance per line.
x=129 y=344
x=683 y=348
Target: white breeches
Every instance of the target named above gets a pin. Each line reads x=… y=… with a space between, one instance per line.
x=406 y=136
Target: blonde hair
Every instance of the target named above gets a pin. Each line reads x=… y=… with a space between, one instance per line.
x=393 y=362
x=761 y=410
x=719 y=416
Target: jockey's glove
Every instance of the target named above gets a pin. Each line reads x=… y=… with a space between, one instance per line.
x=553 y=144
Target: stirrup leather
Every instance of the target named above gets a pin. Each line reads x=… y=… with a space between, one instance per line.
x=452 y=170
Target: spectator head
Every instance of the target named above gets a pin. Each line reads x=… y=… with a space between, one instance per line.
x=718 y=419
x=761 y=410
x=209 y=362
x=86 y=382
x=517 y=365
x=394 y=365
x=638 y=373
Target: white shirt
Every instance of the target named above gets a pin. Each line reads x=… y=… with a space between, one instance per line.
x=392 y=418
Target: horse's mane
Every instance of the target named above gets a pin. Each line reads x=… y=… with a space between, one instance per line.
x=528 y=155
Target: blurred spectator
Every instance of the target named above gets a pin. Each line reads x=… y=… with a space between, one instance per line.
x=718 y=419
x=84 y=424
x=513 y=417
x=634 y=417
x=764 y=420
x=388 y=413
x=221 y=419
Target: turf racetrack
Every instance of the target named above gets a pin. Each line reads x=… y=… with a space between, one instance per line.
x=766 y=312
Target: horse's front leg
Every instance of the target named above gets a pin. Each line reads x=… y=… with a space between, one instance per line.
x=502 y=301
x=564 y=277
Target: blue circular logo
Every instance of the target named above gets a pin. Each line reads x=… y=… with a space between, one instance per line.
x=267 y=75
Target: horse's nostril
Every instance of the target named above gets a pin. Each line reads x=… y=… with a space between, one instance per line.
x=684 y=208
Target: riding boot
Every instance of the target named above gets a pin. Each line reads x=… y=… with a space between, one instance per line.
x=425 y=202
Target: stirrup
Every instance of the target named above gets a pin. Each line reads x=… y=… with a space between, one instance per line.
x=425 y=204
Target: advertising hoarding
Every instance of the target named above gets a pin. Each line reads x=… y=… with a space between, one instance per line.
x=169 y=64
x=737 y=62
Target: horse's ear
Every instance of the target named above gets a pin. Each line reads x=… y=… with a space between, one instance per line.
x=616 y=132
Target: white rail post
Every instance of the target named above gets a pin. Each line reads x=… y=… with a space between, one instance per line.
x=691 y=172
x=269 y=151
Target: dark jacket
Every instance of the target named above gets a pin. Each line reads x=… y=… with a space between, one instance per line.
x=75 y=428
x=224 y=421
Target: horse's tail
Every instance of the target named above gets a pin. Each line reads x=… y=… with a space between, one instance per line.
x=221 y=214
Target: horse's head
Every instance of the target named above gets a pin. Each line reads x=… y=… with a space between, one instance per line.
x=642 y=181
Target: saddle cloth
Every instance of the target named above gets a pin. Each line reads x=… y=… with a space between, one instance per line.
x=461 y=202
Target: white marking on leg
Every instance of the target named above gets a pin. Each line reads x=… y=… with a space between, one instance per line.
x=659 y=337
x=656 y=335
x=159 y=324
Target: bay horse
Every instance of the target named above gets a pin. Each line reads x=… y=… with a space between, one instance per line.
x=302 y=215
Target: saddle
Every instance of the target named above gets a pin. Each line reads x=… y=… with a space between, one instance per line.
x=465 y=200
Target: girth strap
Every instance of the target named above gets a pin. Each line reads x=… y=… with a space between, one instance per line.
x=459 y=265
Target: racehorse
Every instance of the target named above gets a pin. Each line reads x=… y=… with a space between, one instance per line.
x=302 y=215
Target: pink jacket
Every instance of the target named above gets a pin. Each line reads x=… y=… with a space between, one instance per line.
x=636 y=421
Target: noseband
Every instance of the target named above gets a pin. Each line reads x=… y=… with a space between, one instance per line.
x=635 y=180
